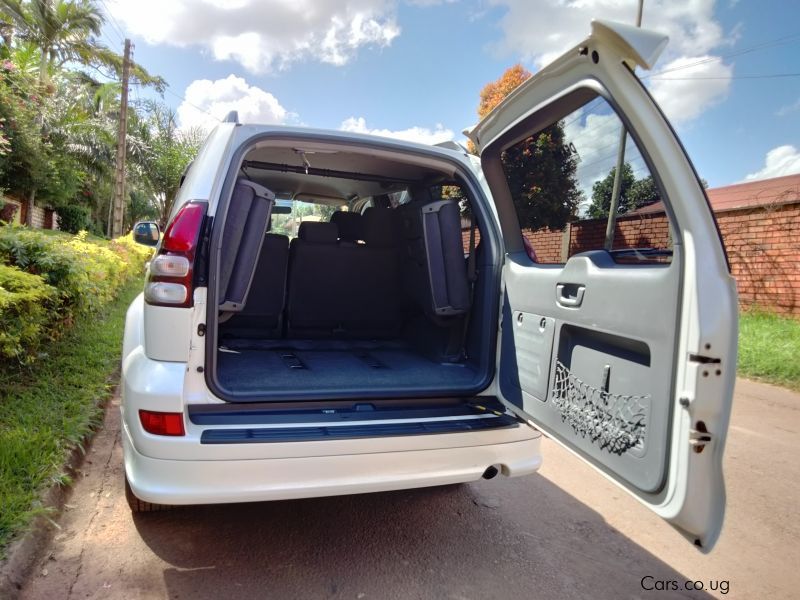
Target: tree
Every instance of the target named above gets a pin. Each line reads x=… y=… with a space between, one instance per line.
x=165 y=154
x=140 y=208
x=66 y=31
x=53 y=33
x=634 y=193
x=23 y=156
x=644 y=192
x=55 y=27
x=540 y=169
x=495 y=92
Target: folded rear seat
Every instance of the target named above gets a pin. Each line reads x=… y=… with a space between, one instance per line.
x=434 y=270
x=261 y=316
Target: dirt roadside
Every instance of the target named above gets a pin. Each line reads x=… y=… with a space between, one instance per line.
x=566 y=533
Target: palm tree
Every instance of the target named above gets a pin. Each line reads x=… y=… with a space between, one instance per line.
x=60 y=28
x=66 y=31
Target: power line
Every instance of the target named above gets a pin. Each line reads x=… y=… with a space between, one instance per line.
x=787 y=39
x=192 y=104
x=114 y=23
x=770 y=76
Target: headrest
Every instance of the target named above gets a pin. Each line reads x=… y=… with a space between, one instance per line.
x=318 y=233
x=380 y=227
x=350 y=225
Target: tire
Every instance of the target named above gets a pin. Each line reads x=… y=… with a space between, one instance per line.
x=140 y=506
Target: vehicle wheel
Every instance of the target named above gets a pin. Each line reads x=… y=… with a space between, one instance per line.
x=140 y=506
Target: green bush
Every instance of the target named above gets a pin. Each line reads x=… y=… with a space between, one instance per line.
x=82 y=273
x=25 y=302
x=73 y=219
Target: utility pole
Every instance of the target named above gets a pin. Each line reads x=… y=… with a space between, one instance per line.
x=118 y=202
x=611 y=225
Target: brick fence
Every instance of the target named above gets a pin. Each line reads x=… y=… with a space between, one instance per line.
x=763 y=245
x=43 y=218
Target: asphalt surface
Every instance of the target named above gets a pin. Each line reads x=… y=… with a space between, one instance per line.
x=564 y=533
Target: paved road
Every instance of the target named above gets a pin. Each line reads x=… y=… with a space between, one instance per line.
x=565 y=533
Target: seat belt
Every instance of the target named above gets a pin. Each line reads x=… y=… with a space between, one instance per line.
x=472 y=276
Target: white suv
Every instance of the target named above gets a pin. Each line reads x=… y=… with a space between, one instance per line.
x=320 y=318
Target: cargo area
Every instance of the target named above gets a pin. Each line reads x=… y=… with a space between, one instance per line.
x=336 y=283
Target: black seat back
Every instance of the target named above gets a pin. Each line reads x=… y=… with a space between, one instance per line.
x=316 y=271
x=350 y=226
x=434 y=270
x=262 y=315
x=371 y=294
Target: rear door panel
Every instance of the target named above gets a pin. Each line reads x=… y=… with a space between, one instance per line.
x=613 y=347
x=629 y=364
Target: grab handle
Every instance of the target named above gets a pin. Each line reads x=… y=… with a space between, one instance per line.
x=570 y=294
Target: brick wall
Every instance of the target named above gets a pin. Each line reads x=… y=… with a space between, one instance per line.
x=763 y=245
x=546 y=243
x=43 y=218
x=764 y=251
x=38 y=217
x=645 y=231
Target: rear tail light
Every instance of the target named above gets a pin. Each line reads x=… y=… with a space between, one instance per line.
x=162 y=423
x=170 y=273
x=166 y=293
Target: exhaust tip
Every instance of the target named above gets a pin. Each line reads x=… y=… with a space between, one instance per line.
x=490 y=472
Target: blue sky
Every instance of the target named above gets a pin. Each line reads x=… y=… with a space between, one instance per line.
x=414 y=68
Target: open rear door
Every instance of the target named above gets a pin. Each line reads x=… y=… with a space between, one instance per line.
x=621 y=348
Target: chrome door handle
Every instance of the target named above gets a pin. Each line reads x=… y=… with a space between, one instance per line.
x=570 y=295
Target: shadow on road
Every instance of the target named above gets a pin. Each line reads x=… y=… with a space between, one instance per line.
x=499 y=539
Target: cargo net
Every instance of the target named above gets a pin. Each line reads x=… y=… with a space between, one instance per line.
x=613 y=421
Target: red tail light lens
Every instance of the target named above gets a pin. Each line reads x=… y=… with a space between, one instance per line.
x=162 y=423
x=169 y=276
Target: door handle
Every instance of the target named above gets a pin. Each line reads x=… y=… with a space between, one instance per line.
x=570 y=294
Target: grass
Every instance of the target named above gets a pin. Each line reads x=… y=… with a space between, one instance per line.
x=48 y=409
x=769 y=348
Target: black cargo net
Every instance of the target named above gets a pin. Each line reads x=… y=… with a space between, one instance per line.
x=615 y=422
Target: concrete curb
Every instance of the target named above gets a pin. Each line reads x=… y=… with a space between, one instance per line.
x=24 y=553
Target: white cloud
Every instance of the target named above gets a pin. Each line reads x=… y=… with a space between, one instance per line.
x=788 y=109
x=206 y=102
x=783 y=160
x=423 y=135
x=264 y=35
x=595 y=138
x=541 y=31
x=689 y=86
x=430 y=2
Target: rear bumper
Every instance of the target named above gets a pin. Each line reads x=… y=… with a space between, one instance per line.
x=220 y=481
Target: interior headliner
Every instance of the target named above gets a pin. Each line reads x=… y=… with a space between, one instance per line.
x=327 y=189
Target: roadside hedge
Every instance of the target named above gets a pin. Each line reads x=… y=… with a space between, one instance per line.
x=25 y=302
x=48 y=278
